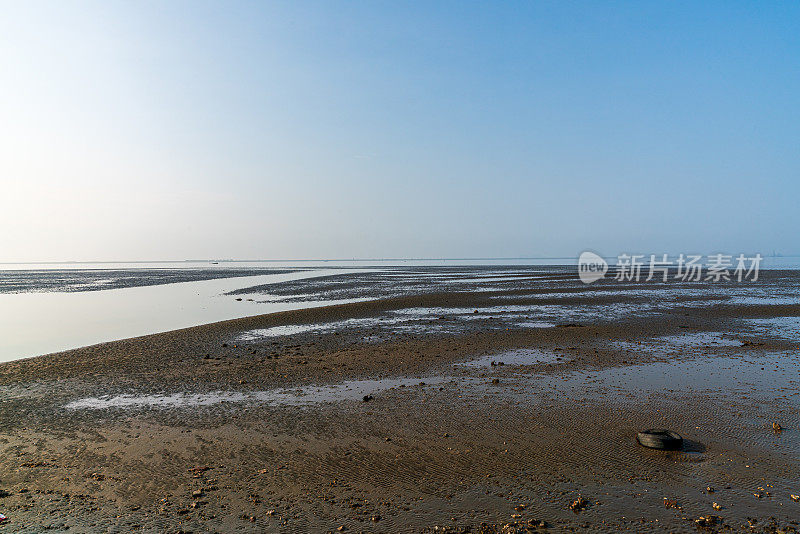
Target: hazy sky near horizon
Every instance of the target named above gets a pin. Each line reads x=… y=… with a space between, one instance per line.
x=168 y=130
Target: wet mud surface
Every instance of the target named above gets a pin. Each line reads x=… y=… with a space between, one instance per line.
x=476 y=400
x=74 y=280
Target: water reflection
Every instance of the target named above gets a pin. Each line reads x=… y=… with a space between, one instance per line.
x=39 y=323
x=302 y=396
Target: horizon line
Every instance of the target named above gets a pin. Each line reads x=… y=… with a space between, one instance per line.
x=230 y=260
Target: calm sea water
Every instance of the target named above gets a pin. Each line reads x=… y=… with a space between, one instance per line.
x=47 y=308
x=59 y=310
x=52 y=307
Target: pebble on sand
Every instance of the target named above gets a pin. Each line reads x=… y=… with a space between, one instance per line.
x=708 y=521
x=578 y=505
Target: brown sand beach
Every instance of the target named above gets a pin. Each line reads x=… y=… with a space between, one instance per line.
x=428 y=412
x=424 y=267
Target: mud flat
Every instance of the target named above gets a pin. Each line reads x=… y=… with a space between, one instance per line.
x=490 y=408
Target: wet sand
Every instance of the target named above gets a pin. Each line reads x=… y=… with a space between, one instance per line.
x=260 y=433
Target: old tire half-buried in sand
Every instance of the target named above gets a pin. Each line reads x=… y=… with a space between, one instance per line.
x=657 y=438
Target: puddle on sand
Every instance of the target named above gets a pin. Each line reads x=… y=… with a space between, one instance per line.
x=783 y=327
x=394 y=324
x=695 y=340
x=293 y=329
x=700 y=339
x=775 y=375
x=517 y=357
x=521 y=316
x=535 y=324
x=276 y=331
x=302 y=396
x=406 y=320
x=765 y=300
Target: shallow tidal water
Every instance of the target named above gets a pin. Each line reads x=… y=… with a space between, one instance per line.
x=45 y=310
x=41 y=322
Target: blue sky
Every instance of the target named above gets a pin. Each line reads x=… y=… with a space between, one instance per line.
x=170 y=130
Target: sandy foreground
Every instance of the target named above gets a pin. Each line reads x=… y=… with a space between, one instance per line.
x=204 y=430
